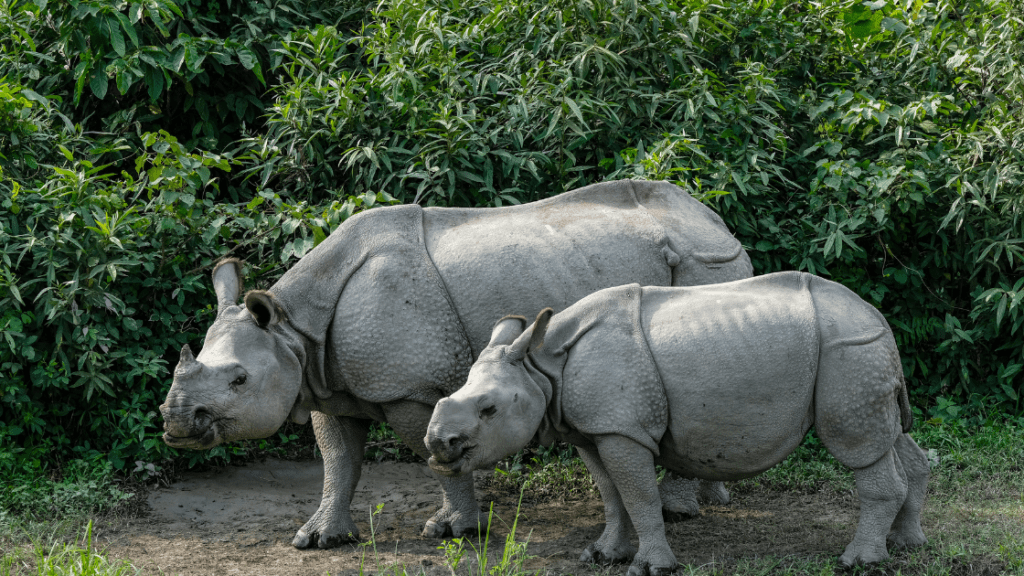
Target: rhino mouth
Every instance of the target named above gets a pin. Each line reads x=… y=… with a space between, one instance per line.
x=455 y=467
x=201 y=440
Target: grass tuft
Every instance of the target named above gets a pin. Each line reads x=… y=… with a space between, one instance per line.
x=64 y=559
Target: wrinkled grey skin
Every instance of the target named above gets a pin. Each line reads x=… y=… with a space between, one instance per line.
x=717 y=382
x=386 y=315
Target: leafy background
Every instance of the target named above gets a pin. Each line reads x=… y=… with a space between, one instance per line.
x=876 y=143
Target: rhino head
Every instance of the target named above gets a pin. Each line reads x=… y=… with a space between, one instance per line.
x=500 y=408
x=246 y=381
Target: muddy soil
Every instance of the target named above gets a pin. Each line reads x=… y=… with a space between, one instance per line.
x=240 y=520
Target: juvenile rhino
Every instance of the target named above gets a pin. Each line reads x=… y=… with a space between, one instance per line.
x=719 y=382
x=385 y=316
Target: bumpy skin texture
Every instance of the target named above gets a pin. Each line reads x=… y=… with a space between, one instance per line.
x=386 y=315
x=716 y=382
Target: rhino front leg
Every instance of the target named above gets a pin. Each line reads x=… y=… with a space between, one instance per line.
x=342 y=442
x=613 y=545
x=631 y=469
x=459 y=514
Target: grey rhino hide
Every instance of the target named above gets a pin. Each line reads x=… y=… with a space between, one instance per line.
x=718 y=382
x=386 y=315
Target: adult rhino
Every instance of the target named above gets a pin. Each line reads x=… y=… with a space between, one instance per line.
x=386 y=316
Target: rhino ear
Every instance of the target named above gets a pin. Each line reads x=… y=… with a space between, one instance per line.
x=533 y=338
x=227 y=282
x=262 y=306
x=506 y=330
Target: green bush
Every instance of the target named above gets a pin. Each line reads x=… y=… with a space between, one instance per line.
x=876 y=143
x=105 y=277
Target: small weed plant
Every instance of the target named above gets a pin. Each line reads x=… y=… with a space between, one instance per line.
x=513 y=556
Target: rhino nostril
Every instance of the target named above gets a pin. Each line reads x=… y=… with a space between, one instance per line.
x=200 y=414
x=453 y=442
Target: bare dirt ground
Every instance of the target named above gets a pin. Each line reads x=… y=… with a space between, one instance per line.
x=240 y=520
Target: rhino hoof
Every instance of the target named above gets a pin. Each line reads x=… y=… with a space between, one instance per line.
x=852 y=556
x=595 y=555
x=679 y=515
x=436 y=529
x=713 y=493
x=907 y=539
x=303 y=541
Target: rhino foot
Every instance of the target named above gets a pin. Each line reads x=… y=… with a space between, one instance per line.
x=303 y=540
x=678 y=498
x=863 y=555
x=605 y=555
x=910 y=538
x=713 y=493
x=655 y=561
x=644 y=570
x=322 y=532
x=455 y=524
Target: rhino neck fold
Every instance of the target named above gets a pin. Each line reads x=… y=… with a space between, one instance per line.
x=548 y=380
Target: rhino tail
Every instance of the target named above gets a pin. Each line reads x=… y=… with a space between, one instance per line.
x=906 y=415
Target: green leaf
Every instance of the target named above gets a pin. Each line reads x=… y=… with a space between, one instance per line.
x=247 y=58
x=1010 y=392
x=318 y=235
x=193 y=58
x=893 y=25
x=154 y=80
x=98 y=84
x=124 y=80
x=116 y=39
x=126 y=25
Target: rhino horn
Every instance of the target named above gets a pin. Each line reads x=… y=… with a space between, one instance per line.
x=187 y=364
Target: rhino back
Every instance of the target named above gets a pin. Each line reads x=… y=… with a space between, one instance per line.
x=551 y=253
x=738 y=362
x=709 y=254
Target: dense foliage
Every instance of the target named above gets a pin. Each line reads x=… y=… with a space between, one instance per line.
x=877 y=143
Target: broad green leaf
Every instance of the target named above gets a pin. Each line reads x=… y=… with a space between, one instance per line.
x=126 y=25
x=116 y=39
x=98 y=84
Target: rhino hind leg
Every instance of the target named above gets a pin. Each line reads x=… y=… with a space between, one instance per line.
x=342 y=442
x=614 y=544
x=906 y=529
x=679 y=497
x=713 y=493
x=882 y=489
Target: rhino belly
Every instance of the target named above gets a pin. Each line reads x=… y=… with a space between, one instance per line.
x=525 y=261
x=739 y=368
x=731 y=443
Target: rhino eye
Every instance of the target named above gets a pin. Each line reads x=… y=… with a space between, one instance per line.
x=489 y=411
x=238 y=381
